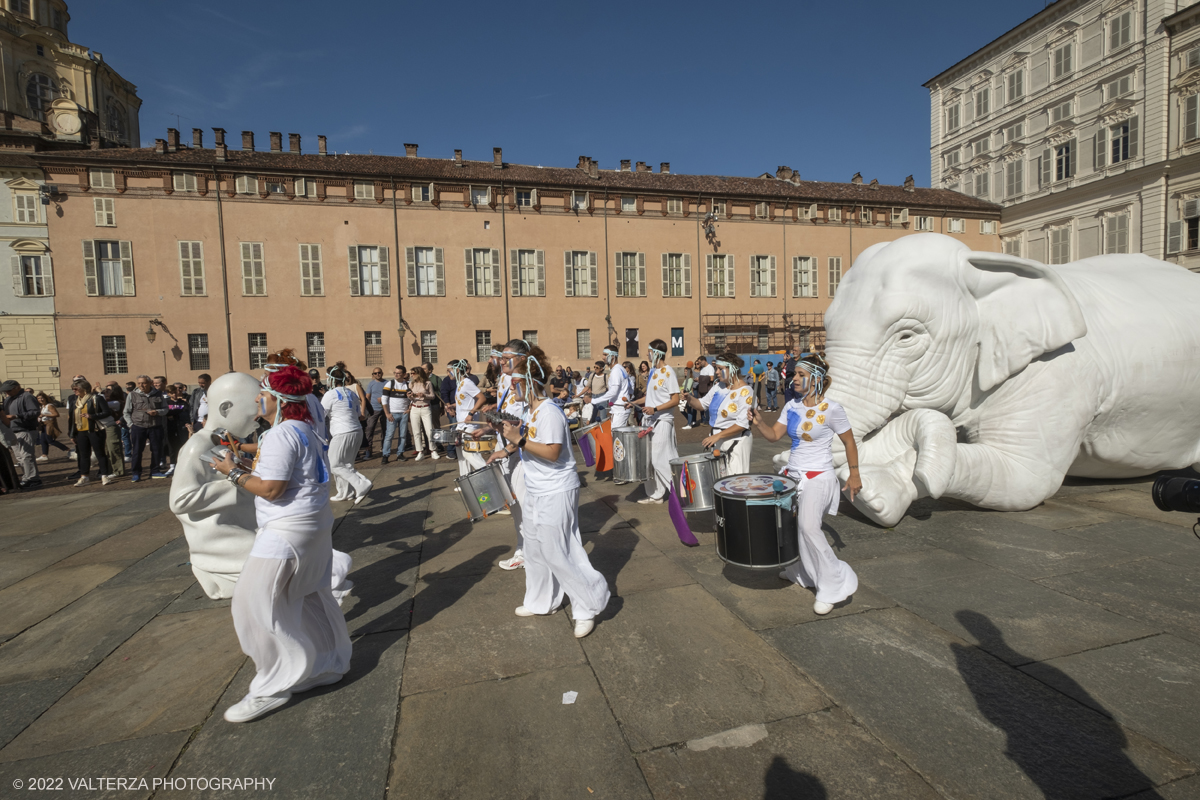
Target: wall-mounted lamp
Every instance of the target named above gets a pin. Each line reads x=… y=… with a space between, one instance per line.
x=151 y=335
x=54 y=371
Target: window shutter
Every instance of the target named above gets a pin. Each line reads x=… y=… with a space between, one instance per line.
x=708 y=266
x=439 y=266
x=247 y=270
x=355 y=286
x=666 y=280
x=127 y=285
x=318 y=270
x=47 y=276
x=812 y=211
x=385 y=272
x=186 y=286
x=1099 y=160
x=814 y=276
x=469 y=261
x=1110 y=236
x=1191 y=208
x=410 y=266
x=1191 y=117
x=618 y=275
x=515 y=266
x=541 y=273
x=795 y=276
x=1174 y=236
x=730 y=277
x=772 y=276
x=18 y=277
x=97 y=202
x=755 y=275
x=306 y=283
x=1046 y=167
x=496 y=272
x=89 y=268
x=1133 y=137
x=687 y=274
x=1072 y=157
x=594 y=274
x=568 y=275
x=641 y=287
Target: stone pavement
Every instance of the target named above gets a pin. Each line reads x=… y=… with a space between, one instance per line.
x=1052 y=653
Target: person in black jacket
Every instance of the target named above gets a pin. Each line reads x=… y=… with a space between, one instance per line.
x=21 y=415
x=90 y=417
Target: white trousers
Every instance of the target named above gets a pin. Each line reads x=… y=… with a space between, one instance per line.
x=469 y=462
x=514 y=468
x=662 y=450
x=737 y=462
x=343 y=447
x=818 y=567
x=555 y=561
x=619 y=416
x=284 y=612
x=421 y=421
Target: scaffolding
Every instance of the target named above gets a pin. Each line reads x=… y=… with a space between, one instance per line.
x=762 y=333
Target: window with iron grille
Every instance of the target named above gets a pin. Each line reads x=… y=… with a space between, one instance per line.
x=583 y=343
x=483 y=345
x=316 y=348
x=115 y=361
x=258 y=350
x=373 y=342
x=198 y=351
x=530 y=337
x=429 y=346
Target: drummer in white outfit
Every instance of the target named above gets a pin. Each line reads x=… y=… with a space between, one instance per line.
x=661 y=400
x=284 y=611
x=511 y=401
x=812 y=421
x=619 y=393
x=467 y=400
x=345 y=436
x=555 y=562
x=728 y=403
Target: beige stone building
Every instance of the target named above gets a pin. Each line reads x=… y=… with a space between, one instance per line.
x=379 y=260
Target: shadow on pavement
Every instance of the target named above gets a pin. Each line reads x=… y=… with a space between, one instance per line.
x=784 y=783
x=1063 y=758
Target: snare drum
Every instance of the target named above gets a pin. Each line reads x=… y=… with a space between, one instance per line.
x=445 y=435
x=484 y=444
x=693 y=478
x=485 y=491
x=631 y=455
x=756 y=521
x=583 y=440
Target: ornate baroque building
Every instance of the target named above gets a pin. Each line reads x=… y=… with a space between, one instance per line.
x=1083 y=122
x=378 y=260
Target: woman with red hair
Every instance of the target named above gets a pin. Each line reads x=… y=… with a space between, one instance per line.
x=284 y=611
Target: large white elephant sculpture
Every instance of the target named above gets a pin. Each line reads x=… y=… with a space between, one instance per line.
x=988 y=378
x=218 y=519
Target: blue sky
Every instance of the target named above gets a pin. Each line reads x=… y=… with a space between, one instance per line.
x=829 y=89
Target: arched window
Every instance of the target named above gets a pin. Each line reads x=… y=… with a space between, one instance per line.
x=39 y=92
x=115 y=122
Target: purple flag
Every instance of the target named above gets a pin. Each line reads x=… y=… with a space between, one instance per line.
x=677 y=517
x=585 y=447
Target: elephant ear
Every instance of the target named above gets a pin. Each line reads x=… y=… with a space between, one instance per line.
x=1025 y=311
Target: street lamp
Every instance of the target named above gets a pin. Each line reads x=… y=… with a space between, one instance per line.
x=150 y=334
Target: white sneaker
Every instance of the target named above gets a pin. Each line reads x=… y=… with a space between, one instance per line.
x=75 y=456
x=516 y=562
x=646 y=501
x=170 y=470
x=821 y=609
x=105 y=480
x=457 y=489
x=83 y=481
x=324 y=679
x=686 y=428
x=783 y=576
x=583 y=627
x=250 y=707
x=522 y=611
x=42 y=458
x=419 y=456
x=339 y=498
x=435 y=456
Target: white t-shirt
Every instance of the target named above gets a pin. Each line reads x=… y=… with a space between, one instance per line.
x=202 y=411
x=726 y=408
x=620 y=388
x=508 y=401
x=812 y=431
x=709 y=370
x=464 y=400
x=661 y=384
x=291 y=451
x=342 y=406
x=548 y=425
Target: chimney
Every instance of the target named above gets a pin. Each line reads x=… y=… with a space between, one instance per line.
x=458 y=158
x=874 y=183
x=593 y=170
x=624 y=165
x=497 y=158
x=276 y=141
x=909 y=184
x=410 y=150
x=641 y=167
x=857 y=179
x=160 y=145
x=248 y=140
x=172 y=140
x=220 y=134
x=583 y=162
x=665 y=168
x=294 y=143
x=197 y=138
x=321 y=145
x=784 y=173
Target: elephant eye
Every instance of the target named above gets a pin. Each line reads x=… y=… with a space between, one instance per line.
x=906 y=337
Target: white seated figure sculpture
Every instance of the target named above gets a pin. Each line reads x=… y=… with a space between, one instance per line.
x=218 y=519
x=989 y=378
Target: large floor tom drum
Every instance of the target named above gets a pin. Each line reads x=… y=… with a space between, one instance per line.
x=756 y=521
x=631 y=455
x=485 y=491
x=693 y=478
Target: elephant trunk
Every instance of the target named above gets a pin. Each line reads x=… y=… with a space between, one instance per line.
x=869 y=397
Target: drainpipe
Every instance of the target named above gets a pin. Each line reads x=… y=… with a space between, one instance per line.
x=504 y=259
x=696 y=283
x=608 y=334
x=399 y=284
x=224 y=268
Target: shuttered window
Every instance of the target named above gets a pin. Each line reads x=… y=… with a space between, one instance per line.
x=183 y=181
x=628 y=204
x=312 y=278
x=108 y=268
x=804 y=276
x=983 y=102
x=102 y=179
x=32 y=276
x=579 y=273
x=1191 y=116
x=25 y=207
x=952 y=118
x=254 y=276
x=1120 y=30
x=369 y=271
x=191 y=269
x=956 y=225
x=106 y=215
x=1116 y=233
x=924 y=223
x=426 y=271
x=835 y=274
x=528 y=272
x=1060 y=245
x=305 y=187
x=1014 y=183
x=246 y=184
x=1012 y=246
x=1064 y=61
x=676 y=275
x=482 y=272
x=674 y=205
x=720 y=277
x=762 y=276
x=364 y=190
x=1016 y=85
x=630 y=274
